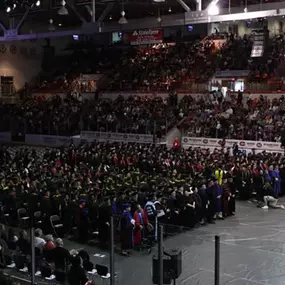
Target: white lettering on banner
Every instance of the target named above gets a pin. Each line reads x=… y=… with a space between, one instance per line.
x=116 y=137
x=146 y=32
x=243 y=145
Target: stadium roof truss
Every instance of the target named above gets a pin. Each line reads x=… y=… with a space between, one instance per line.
x=97 y=23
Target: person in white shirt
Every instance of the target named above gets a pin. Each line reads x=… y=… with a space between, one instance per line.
x=39 y=242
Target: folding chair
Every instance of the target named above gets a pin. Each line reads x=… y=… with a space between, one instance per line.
x=38 y=219
x=23 y=217
x=56 y=225
x=5 y=216
x=103 y=273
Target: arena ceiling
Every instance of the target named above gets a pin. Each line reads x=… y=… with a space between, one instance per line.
x=79 y=11
x=32 y=18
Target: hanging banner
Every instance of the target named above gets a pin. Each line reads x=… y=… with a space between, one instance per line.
x=145 y=36
x=242 y=144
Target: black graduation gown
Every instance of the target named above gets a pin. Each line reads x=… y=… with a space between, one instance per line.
x=188 y=215
x=104 y=215
x=82 y=223
x=126 y=231
x=232 y=202
x=212 y=208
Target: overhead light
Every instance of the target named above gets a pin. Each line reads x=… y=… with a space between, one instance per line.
x=51 y=26
x=110 y=17
x=123 y=19
x=62 y=10
x=14 y=6
x=38 y=3
x=158 y=1
x=59 y=24
x=169 y=10
x=158 y=19
x=213 y=9
x=8 y=10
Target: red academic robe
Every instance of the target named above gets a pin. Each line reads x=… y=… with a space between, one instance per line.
x=139 y=222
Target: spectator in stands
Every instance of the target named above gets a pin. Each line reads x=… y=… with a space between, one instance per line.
x=12 y=239
x=23 y=243
x=38 y=240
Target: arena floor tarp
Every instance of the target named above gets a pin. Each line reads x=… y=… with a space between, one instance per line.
x=252 y=252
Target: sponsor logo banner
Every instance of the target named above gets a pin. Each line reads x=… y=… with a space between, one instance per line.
x=116 y=137
x=145 y=36
x=216 y=143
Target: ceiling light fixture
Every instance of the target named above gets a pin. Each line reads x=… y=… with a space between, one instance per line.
x=62 y=10
x=51 y=26
x=123 y=20
x=213 y=9
x=38 y=3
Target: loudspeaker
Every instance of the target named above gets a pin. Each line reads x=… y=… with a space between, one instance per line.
x=176 y=262
x=167 y=278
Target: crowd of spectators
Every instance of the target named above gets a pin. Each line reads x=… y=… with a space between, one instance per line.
x=56 y=116
x=235 y=117
x=210 y=115
x=163 y=66
x=168 y=65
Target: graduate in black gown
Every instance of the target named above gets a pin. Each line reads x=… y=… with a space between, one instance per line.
x=83 y=221
x=127 y=230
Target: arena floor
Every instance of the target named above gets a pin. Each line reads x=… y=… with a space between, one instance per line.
x=252 y=252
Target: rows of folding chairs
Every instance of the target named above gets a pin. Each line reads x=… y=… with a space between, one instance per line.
x=23 y=220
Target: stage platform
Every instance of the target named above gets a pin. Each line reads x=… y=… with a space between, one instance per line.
x=252 y=252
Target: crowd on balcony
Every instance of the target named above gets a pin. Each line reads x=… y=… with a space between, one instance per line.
x=56 y=116
x=168 y=66
x=234 y=117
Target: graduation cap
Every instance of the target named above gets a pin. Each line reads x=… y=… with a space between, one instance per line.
x=126 y=205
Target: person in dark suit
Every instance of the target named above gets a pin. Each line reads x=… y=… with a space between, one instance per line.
x=61 y=255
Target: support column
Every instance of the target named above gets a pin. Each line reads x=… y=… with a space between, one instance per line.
x=2 y=26
x=199 y=5
x=160 y=256
x=183 y=5
x=93 y=11
x=73 y=8
x=106 y=12
x=112 y=252
x=11 y=23
x=23 y=18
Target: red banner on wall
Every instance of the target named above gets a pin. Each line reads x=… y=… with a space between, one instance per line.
x=145 y=36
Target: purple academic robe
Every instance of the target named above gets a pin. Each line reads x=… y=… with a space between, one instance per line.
x=218 y=191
